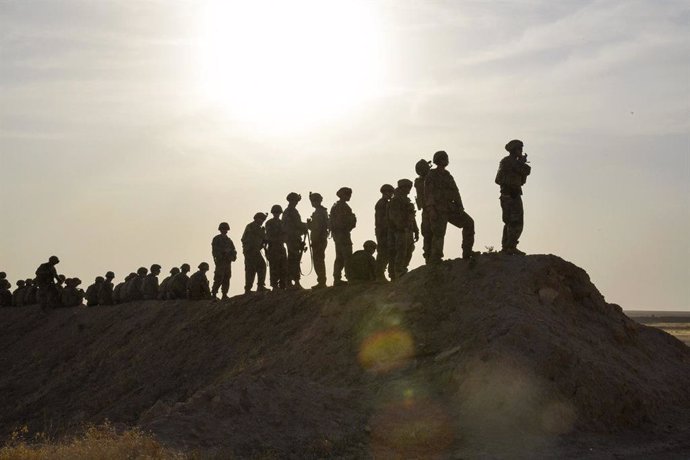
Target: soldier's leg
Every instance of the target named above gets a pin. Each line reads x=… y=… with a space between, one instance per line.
x=463 y=220
x=338 y=263
x=273 y=272
x=438 y=234
x=400 y=253
x=505 y=217
x=409 y=242
x=225 y=286
x=249 y=271
x=319 y=253
x=426 y=235
x=217 y=279
x=515 y=224
x=283 y=270
x=260 y=272
x=392 y=256
x=382 y=254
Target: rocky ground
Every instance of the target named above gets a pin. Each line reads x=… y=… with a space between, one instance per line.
x=517 y=357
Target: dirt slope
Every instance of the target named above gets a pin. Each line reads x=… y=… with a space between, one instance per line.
x=517 y=355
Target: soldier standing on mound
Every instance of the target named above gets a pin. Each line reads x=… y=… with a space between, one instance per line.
x=402 y=227
x=224 y=254
x=422 y=168
x=294 y=229
x=512 y=175
x=381 y=230
x=275 y=249
x=444 y=205
x=318 y=228
x=253 y=239
x=342 y=221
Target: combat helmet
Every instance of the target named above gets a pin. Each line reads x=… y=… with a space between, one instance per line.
x=422 y=167
x=203 y=266
x=260 y=215
x=387 y=188
x=185 y=267
x=54 y=260
x=405 y=184
x=292 y=196
x=276 y=208
x=223 y=226
x=110 y=275
x=512 y=145
x=315 y=197
x=370 y=245
x=344 y=192
x=440 y=157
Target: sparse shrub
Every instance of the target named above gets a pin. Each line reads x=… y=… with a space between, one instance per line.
x=102 y=442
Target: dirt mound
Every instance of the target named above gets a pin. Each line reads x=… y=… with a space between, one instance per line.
x=518 y=355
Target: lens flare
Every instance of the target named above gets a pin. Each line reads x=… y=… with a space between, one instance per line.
x=386 y=350
x=411 y=428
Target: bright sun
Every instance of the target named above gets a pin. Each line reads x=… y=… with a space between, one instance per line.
x=290 y=64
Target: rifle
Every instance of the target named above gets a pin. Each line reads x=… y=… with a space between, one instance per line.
x=307 y=238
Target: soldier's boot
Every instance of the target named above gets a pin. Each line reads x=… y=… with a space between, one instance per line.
x=319 y=286
x=339 y=283
x=262 y=288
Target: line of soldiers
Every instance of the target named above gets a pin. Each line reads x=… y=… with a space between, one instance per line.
x=285 y=239
x=51 y=290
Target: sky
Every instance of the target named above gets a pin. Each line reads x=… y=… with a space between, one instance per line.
x=130 y=129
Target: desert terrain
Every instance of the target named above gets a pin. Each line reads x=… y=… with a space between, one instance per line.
x=516 y=357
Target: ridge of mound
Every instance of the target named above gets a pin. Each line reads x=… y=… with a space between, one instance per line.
x=513 y=355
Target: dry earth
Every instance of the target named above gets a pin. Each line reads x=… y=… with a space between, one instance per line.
x=518 y=357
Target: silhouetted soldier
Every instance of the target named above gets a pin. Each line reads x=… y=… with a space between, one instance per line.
x=120 y=291
x=178 y=283
x=91 y=295
x=319 y=231
x=444 y=205
x=149 y=286
x=71 y=295
x=46 y=280
x=253 y=240
x=275 y=249
x=361 y=266
x=381 y=229
x=294 y=230
x=31 y=292
x=105 y=293
x=135 y=289
x=422 y=168
x=3 y=275
x=342 y=220
x=224 y=254
x=19 y=294
x=5 y=293
x=197 y=287
x=402 y=228
x=511 y=176
x=164 y=288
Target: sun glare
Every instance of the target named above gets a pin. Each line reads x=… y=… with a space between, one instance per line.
x=285 y=65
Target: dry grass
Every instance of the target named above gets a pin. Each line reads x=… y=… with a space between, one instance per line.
x=97 y=442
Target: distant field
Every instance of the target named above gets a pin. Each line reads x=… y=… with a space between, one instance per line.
x=676 y=323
